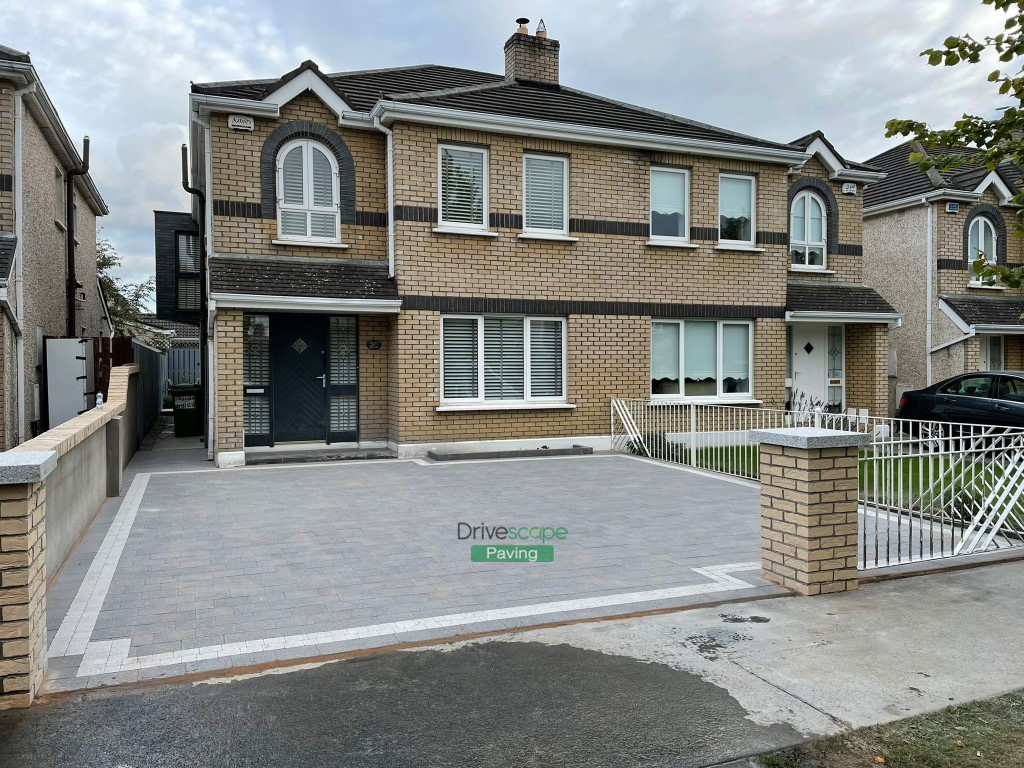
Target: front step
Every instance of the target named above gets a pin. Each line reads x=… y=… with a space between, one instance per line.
x=307 y=457
x=576 y=450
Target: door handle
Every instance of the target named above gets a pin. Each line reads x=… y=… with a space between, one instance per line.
x=1003 y=408
x=949 y=400
x=323 y=380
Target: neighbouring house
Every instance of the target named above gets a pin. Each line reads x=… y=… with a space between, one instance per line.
x=47 y=289
x=923 y=231
x=429 y=255
x=176 y=248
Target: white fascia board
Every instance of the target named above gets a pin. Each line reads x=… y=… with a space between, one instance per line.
x=836 y=168
x=206 y=104
x=1003 y=192
x=958 y=321
x=390 y=111
x=42 y=109
x=1004 y=330
x=306 y=303
x=908 y=202
x=844 y=318
x=308 y=81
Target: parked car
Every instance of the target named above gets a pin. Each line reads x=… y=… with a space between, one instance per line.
x=987 y=398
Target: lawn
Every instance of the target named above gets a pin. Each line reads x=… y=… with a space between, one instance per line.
x=983 y=733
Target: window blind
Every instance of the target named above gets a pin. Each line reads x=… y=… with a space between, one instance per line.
x=459 y=336
x=462 y=186
x=665 y=351
x=668 y=204
x=546 y=358
x=736 y=356
x=503 y=358
x=545 y=193
x=699 y=350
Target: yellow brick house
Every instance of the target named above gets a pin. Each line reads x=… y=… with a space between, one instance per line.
x=426 y=255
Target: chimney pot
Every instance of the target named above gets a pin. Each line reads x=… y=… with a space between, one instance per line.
x=542 y=30
x=522 y=22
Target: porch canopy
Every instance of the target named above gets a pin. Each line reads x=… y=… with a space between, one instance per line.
x=840 y=303
x=288 y=283
x=985 y=314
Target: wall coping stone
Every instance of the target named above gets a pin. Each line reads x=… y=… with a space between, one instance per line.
x=809 y=437
x=22 y=467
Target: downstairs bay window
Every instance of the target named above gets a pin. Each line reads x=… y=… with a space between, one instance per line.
x=701 y=358
x=502 y=359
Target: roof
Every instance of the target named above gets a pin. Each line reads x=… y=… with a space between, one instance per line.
x=835 y=297
x=983 y=310
x=483 y=92
x=8 y=245
x=9 y=54
x=181 y=330
x=324 y=279
x=904 y=179
x=805 y=141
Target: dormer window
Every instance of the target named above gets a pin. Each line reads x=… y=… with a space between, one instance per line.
x=807 y=227
x=307 y=189
x=981 y=244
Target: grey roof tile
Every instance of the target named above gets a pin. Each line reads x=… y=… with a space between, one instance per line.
x=327 y=279
x=9 y=54
x=181 y=330
x=823 y=296
x=985 y=310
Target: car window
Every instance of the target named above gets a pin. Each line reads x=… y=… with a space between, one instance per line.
x=1011 y=389
x=971 y=386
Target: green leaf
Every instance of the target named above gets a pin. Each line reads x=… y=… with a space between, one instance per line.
x=935 y=58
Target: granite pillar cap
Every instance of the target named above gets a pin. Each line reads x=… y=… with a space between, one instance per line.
x=20 y=467
x=809 y=437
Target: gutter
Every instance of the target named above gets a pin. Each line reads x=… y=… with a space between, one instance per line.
x=808 y=316
x=391 y=192
x=305 y=303
x=906 y=202
x=389 y=111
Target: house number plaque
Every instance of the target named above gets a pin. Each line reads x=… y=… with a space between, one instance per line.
x=373 y=345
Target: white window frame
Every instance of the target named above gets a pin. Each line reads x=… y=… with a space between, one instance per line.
x=528 y=398
x=564 y=229
x=804 y=242
x=753 y=208
x=485 y=218
x=307 y=182
x=685 y=173
x=982 y=221
x=719 y=335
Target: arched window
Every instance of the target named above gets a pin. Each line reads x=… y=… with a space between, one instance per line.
x=307 y=192
x=807 y=229
x=981 y=244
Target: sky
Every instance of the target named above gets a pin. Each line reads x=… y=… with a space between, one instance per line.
x=119 y=70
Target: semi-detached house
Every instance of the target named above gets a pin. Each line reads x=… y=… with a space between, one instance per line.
x=423 y=255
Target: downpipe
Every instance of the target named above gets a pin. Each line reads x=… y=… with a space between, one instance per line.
x=71 y=329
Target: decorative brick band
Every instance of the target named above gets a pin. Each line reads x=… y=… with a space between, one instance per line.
x=415 y=213
x=955 y=264
x=850 y=249
x=6 y=182
x=704 y=233
x=605 y=227
x=772 y=238
x=237 y=209
x=506 y=221
x=484 y=305
x=372 y=218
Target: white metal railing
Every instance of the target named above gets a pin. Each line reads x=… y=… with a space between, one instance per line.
x=925 y=489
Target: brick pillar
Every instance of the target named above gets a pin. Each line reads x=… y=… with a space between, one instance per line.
x=809 y=508
x=229 y=446
x=23 y=575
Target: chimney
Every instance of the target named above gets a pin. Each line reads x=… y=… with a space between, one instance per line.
x=531 y=58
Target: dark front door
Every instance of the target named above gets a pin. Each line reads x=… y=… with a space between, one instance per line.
x=299 y=353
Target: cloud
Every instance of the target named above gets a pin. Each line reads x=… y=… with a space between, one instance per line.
x=119 y=70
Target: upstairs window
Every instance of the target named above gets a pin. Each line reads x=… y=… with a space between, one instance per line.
x=187 y=273
x=981 y=244
x=670 y=198
x=462 y=199
x=736 y=209
x=545 y=194
x=807 y=229
x=307 y=193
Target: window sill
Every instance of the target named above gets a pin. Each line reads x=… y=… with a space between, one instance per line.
x=655 y=243
x=672 y=400
x=812 y=270
x=470 y=232
x=544 y=236
x=980 y=287
x=309 y=244
x=738 y=247
x=510 y=405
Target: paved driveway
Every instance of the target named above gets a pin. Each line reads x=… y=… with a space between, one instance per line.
x=193 y=571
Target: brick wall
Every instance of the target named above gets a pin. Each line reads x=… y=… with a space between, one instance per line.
x=6 y=155
x=22 y=589
x=230 y=412
x=867 y=368
x=809 y=518
x=236 y=179
x=374 y=376
x=949 y=247
x=528 y=57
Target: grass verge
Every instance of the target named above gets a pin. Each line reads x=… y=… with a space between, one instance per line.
x=986 y=733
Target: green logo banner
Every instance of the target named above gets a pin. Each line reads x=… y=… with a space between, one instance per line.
x=512 y=553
